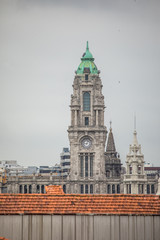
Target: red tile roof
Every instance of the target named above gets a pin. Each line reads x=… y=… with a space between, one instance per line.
x=2 y=238
x=54 y=189
x=117 y=204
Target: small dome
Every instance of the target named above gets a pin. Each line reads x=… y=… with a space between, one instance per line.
x=87 y=63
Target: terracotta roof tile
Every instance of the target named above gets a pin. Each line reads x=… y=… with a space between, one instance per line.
x=3 y=238
x=54 y=189
x=79 y=204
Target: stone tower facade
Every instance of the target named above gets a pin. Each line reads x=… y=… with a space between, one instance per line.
x=87 y=133
x=135 y=179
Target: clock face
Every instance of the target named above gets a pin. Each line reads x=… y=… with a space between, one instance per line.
x=86 y=143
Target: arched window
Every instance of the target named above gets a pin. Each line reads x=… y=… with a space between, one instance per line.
x=64 y=188
x=20 y=189
x=42 y=189
x=82 y=189
x=25 y=188
x=118 y=188
x=108 y=189
x=30 y=188
x=86 y=101
x=130 y=169
x=91 y=189
x=113 y=188
x=152 y=188
x=86 y=189
x=38 y=189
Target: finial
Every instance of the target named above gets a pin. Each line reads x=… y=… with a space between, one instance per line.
x=134 y=121
x=110 y=125
x=87 y=46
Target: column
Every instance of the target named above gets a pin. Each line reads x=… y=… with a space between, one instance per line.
x=75 y=117
x=96 y=117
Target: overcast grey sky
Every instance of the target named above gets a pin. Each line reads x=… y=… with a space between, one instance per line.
x=41 y=43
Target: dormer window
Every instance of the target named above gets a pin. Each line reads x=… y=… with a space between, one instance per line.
x=86 y=77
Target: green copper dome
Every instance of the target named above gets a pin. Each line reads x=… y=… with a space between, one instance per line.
x=87 y=63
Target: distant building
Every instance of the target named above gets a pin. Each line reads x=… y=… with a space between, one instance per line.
x=65 y=162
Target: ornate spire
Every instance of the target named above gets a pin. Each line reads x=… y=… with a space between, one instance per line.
x=110 y=142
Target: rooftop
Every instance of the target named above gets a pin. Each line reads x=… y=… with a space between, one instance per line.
x=57 y=203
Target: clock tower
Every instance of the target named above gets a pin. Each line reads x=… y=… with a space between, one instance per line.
x=87 y=133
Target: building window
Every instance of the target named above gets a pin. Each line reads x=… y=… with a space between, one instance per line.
x=130 y=169
x=82 y=189
x=152 y=188
x=148 y=189
x=139 y=169
x=25 y=188
x=86 y=165
x=86 y=121
x=86 y=77
x=113 y=188
x=91 y=165
x=42 y=189
x=108 y=189
x=64 y=188
x=91 y=189
x=30 y=188
x=86 y=188
x=38 y=189
x=130 y=188
x=86 y=101
x=81 y=165
x=118 y=188
x=20 y=189
x=107 y=173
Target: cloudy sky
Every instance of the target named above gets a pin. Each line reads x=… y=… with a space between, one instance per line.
x=41 y=43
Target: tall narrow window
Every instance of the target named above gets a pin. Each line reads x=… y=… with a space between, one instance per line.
x=38 y=189
x=91 y=189
x=86 y=101
x=81 y=165
x=64 y=188
x=25 y=188
x=30 y=188
x=118 y=188
x=142 y=189
x=86 y=165
x=148 y=189
x=42 y=189
x=130 y=169
x=91 y=165
x=86 y=77
x=86 y=121
x=108 y=189
x=113 y=188
x=82 y=189
x=86 y=188
x=130 y=188
x=20 y=189
x=152 y=188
